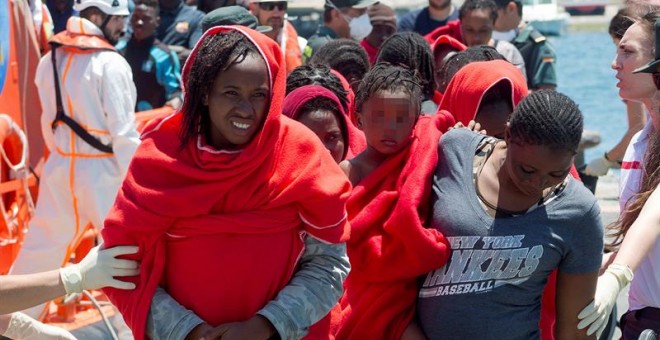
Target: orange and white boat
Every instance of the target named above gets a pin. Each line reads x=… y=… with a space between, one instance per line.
x=22 y=153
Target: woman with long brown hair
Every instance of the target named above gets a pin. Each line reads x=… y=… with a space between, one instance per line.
x=637 y=231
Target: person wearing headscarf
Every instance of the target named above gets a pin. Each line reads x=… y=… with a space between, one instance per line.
x=238 y=212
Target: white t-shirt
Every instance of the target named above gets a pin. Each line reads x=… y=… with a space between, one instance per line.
x=645 y=287
x=511 y=54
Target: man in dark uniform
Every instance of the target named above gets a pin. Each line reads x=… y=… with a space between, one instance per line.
x=337 y=18
x=536 y=50
x=180 y=27
x=423 y=21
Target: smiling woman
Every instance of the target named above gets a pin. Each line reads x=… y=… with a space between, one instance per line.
x=238 y=101
x=226 y=184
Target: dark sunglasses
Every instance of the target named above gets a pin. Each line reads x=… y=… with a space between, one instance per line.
x=269 y=6
x=656 y=79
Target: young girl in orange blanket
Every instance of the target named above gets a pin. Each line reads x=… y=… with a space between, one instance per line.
x=238 y=212
x=389 y=245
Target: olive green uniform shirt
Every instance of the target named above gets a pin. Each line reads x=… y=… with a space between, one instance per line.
x=539 y=56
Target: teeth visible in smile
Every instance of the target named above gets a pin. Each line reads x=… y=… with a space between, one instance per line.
x=242 y=126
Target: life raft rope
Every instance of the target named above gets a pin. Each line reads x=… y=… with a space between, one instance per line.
x=20 y=176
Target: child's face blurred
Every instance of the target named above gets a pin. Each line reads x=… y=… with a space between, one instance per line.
x=388 y=119
x=238 y=103
x=326 y=126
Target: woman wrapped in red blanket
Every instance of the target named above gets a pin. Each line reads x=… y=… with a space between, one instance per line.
x=389 y=245
x=224 y=197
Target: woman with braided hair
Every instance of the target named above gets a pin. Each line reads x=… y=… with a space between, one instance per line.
x=512 y=215
x=224 y=185
x=389 y=247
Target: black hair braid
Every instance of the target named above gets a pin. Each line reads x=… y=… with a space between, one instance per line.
x=460 y=59
x=216 y=54
x=409 y=49
x=315 y=74
x=388 y=77
x=547 y=118
x=346 y=57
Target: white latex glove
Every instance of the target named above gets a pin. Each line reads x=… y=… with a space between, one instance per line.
x=599 y=167
x=610 y=284
x=98 y=269
x=24 y=327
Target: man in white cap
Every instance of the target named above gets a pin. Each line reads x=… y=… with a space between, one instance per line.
x=87 y=97
x=273 y=13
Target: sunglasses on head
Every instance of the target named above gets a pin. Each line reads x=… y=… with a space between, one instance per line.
x=269 y=6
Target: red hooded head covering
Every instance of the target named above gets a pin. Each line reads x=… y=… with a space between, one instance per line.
x=469 y=85
x=452 y=28
x=298 y=98
x=221 y=230
x=447 y=41
x=442 y=42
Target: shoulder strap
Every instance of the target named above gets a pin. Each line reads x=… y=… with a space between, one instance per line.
x=61 y=117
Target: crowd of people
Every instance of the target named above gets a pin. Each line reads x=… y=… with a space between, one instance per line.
x=387 y=178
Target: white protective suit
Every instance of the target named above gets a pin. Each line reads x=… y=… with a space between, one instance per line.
x=79 y=183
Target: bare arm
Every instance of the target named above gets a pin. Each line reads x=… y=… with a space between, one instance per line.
x=574 y=291
x=96 y=270
x=636 y=121
x=413 y=332
x=642 y=235
x=4 y=322
x=19 y=292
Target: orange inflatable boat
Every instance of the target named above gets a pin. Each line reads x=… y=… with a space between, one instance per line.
x=22 y=153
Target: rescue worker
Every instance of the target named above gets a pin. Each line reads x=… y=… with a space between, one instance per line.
x=536 y=50
x=88 y=124
x=273 y=13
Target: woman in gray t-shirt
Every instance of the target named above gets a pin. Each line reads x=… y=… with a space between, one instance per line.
x=512 y=215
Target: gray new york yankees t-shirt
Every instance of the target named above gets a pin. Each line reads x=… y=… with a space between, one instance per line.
x=491 y=287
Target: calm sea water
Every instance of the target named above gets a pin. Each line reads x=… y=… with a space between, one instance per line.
x=585 y=74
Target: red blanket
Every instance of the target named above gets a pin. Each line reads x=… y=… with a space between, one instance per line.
x=452 y=29
x=222 y=231
x=469 y=85
x=389 y=245
x=357 y=141
x=298 y=98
